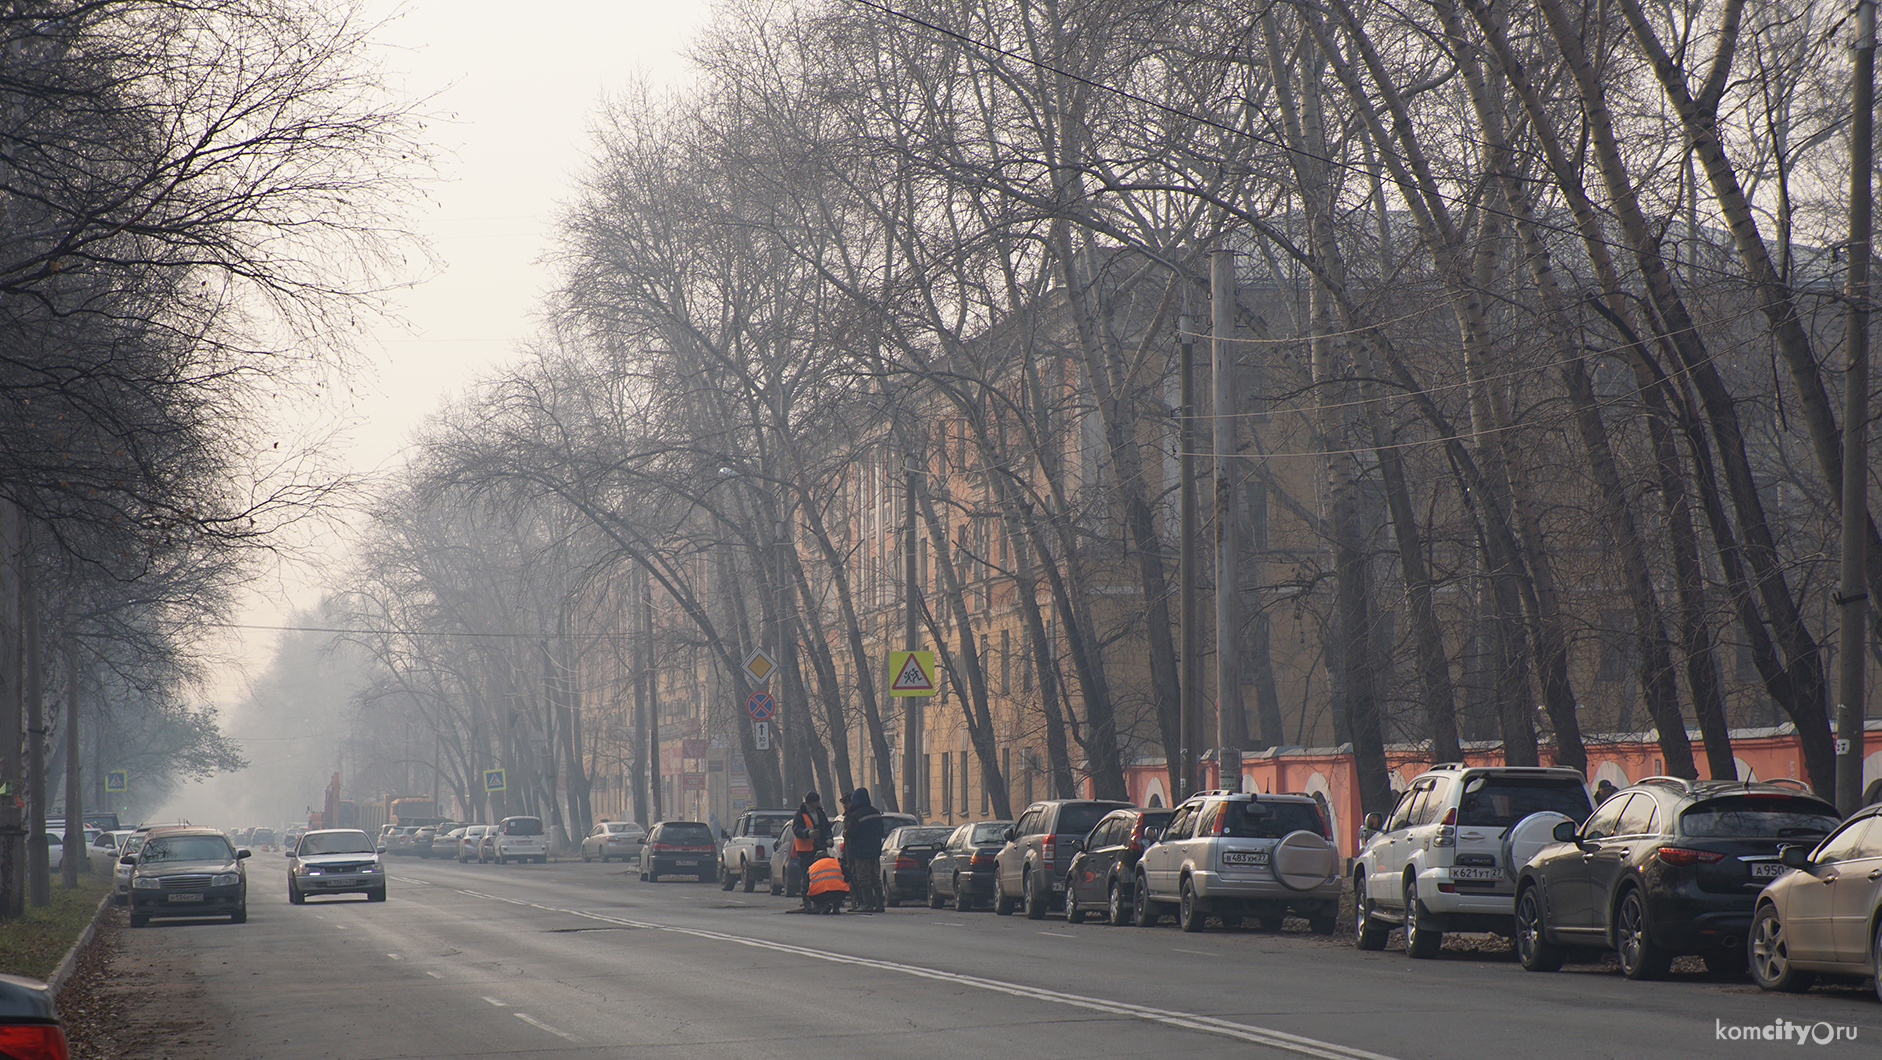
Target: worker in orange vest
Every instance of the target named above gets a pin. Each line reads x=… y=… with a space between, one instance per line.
x=810 y=837
x=827 y=889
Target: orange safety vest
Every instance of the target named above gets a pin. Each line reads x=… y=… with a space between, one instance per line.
x=826 y=875
x=800 y=844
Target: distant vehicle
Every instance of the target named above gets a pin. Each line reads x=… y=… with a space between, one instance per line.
x=1234 y=854
x=746 y=856
x=678 y=848
x=1100 y=878
x=962 y=870
x=445 y=844
x=29 y=1021
x=263 y=838
x=335 y=861
x=613 y=839
x=188 y=872
x=422 y=840
x=906 y=852
x=470 y=842
x=890 y=822
x=520 y=839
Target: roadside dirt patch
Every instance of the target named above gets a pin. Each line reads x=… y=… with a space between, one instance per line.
x=136 y=996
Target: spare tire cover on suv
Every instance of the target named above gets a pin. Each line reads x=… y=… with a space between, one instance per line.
x=1303 y=860
x=1529 y=836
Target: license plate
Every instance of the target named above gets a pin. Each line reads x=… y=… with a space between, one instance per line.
x=185 y=897
x=1767 y=870
x=1466 y=872
x=1244 y=857
x=686 y=861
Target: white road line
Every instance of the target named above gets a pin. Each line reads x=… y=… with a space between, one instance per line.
x=1199 y=953
x=434 y=975
x=499 y=1004
x=394 y=956
x=534 y=1022
x=947 y=923
x=412 y=881
x=1058 y=934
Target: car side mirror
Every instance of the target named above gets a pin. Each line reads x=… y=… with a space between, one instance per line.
x=381 y=850
x=128 y=859
x=723 y=834
x=244 y=853
x=1009 y=834
x=1794 y=856
x=1564 y=832
x=1374 y=822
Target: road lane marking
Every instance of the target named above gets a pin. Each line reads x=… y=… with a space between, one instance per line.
x=1058 y=934
x=1247 y=1032
x=1199 y=953
x=434 y=975
x=534 y=1022
x=413 y=881
x=499 y=1004
x=394 y=956
x=947 y=923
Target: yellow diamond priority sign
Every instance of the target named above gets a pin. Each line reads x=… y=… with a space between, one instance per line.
x=911 y=673
x=758 y=666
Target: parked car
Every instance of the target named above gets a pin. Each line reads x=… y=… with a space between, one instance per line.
x=1664 y=868
x=121 y=882
x=1233 y=854
x=678 y=848
x=188 y=872
x=613 y=839
x=890 y=822
x=1101 y=877
x=1826 y=917
x=29 y=1020
x=1445 y=858
x=962 y=870
x=401 y=839
x=905 y=856
x=487 y=845
x=1029 y=871
x=519 y=839
x=446 y=844
x=468 y=839
x=746 y=856
x=335 y=861
x=423 y=839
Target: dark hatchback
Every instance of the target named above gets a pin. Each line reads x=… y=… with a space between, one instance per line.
x=962 y=870
x=905 y=857
x=1098 y=881
x=679 y=848
x=188 y=872
x=1664 y=868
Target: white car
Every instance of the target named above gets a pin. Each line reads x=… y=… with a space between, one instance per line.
x=521 y=839
x=468 y=844
x=121 y=885
x=1446 y=857
x=613 y=839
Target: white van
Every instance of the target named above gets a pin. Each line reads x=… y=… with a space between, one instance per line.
x=521 y=839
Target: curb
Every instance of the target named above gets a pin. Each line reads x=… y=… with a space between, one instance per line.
x=56 y=981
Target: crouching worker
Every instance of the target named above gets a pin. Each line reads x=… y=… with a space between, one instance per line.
x=827 y=889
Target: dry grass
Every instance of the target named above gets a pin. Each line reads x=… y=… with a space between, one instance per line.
x=35 y=944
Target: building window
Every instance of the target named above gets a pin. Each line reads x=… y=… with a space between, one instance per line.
x=947 y=784
x=926 y=771
x=1006 y=772
x=1006 y=662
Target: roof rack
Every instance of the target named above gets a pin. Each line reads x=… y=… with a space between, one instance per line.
x=1676 y=782
x=1788 y=782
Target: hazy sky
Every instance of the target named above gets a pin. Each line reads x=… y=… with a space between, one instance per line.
x=513 y=89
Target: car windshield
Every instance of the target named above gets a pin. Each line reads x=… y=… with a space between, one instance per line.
x=770 y=827
x=1759 y=816
x=989 y=832
x=622 y=826
x=686 y=832
x=134 y=844
x=1501 y=801
x=522 y=826
x=335 y=843
x=914 y=837
x=1079 y=818
x=1255 y=819
x=188 y=848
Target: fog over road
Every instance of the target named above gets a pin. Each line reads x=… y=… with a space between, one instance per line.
x=582 y=960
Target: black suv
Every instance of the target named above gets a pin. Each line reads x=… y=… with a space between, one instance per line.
x=1030 y=869
x=1664 y=868
x=1099 y=879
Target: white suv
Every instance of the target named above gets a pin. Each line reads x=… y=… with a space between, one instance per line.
x=1231 y=854
x=1445 y=859
x=521 y=839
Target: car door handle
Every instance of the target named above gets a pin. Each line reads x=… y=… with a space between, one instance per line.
x=1876 y=875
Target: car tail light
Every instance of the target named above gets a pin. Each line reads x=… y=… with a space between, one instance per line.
x=662 y=848
x=1447 y=830
x=907 y=863
x=759 y=850
x=1221 y=823
x=33 y=1041
x=1686 y=856
x=982 y=857
x=1048 y=848
x=1137 y=837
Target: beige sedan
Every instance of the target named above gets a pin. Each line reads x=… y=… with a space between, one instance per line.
x=1823 y=916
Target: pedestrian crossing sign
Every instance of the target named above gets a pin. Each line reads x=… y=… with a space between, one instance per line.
x=911 y=673
x=493 y=780
x=118 y=780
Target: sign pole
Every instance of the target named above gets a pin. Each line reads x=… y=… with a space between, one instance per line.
x=911 y=593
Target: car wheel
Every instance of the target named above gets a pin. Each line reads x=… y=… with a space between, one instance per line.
x=963 y=901
x=377 y=894
x=295 y=897
x=1002 y=905
x=1034 y=902
x=1143 y=910
x=585 y=858
x=1533 y=947
x=935 y=901
x=746 y=876
x=1368 y=933
x=1641 y=957
x=1073 y=914
x=1189 y=914
x=1422 y=938
x=727 y=881
x=1875 y=961
x=1116 y=907
x=1769 y=955
x=240 y=916
x=777 y=888
x=139 y=920
x=651 y=876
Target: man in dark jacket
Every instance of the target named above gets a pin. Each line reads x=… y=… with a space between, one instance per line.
x=862 y=847
x=810 y=837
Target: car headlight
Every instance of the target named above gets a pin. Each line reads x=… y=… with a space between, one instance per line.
x=310 y=871
x=225 y=879
x=369 y=868
x=145 y=883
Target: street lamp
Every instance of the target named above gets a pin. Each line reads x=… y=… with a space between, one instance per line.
x=781 y=638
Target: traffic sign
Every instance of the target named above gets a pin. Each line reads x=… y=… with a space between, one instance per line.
x=911 y=673
x=118 y=780
x=761 y=735
x=760 y=705
x=493 y=781
x=758 y=665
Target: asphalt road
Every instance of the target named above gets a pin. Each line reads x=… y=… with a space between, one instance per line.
x=574 y=960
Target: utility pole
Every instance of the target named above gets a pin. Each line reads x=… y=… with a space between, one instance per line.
x=74 y=790
x=12 y=701
x=911 y=597
x=1189 y=688
x=38 y=856
x=652 y=677
x=786 y=644
x=1852 y=597
x=1228 y=580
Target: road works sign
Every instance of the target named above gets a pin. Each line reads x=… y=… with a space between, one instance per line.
x=758 y=665
x=118 y=780
x=493 y=780
x=911 y=673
